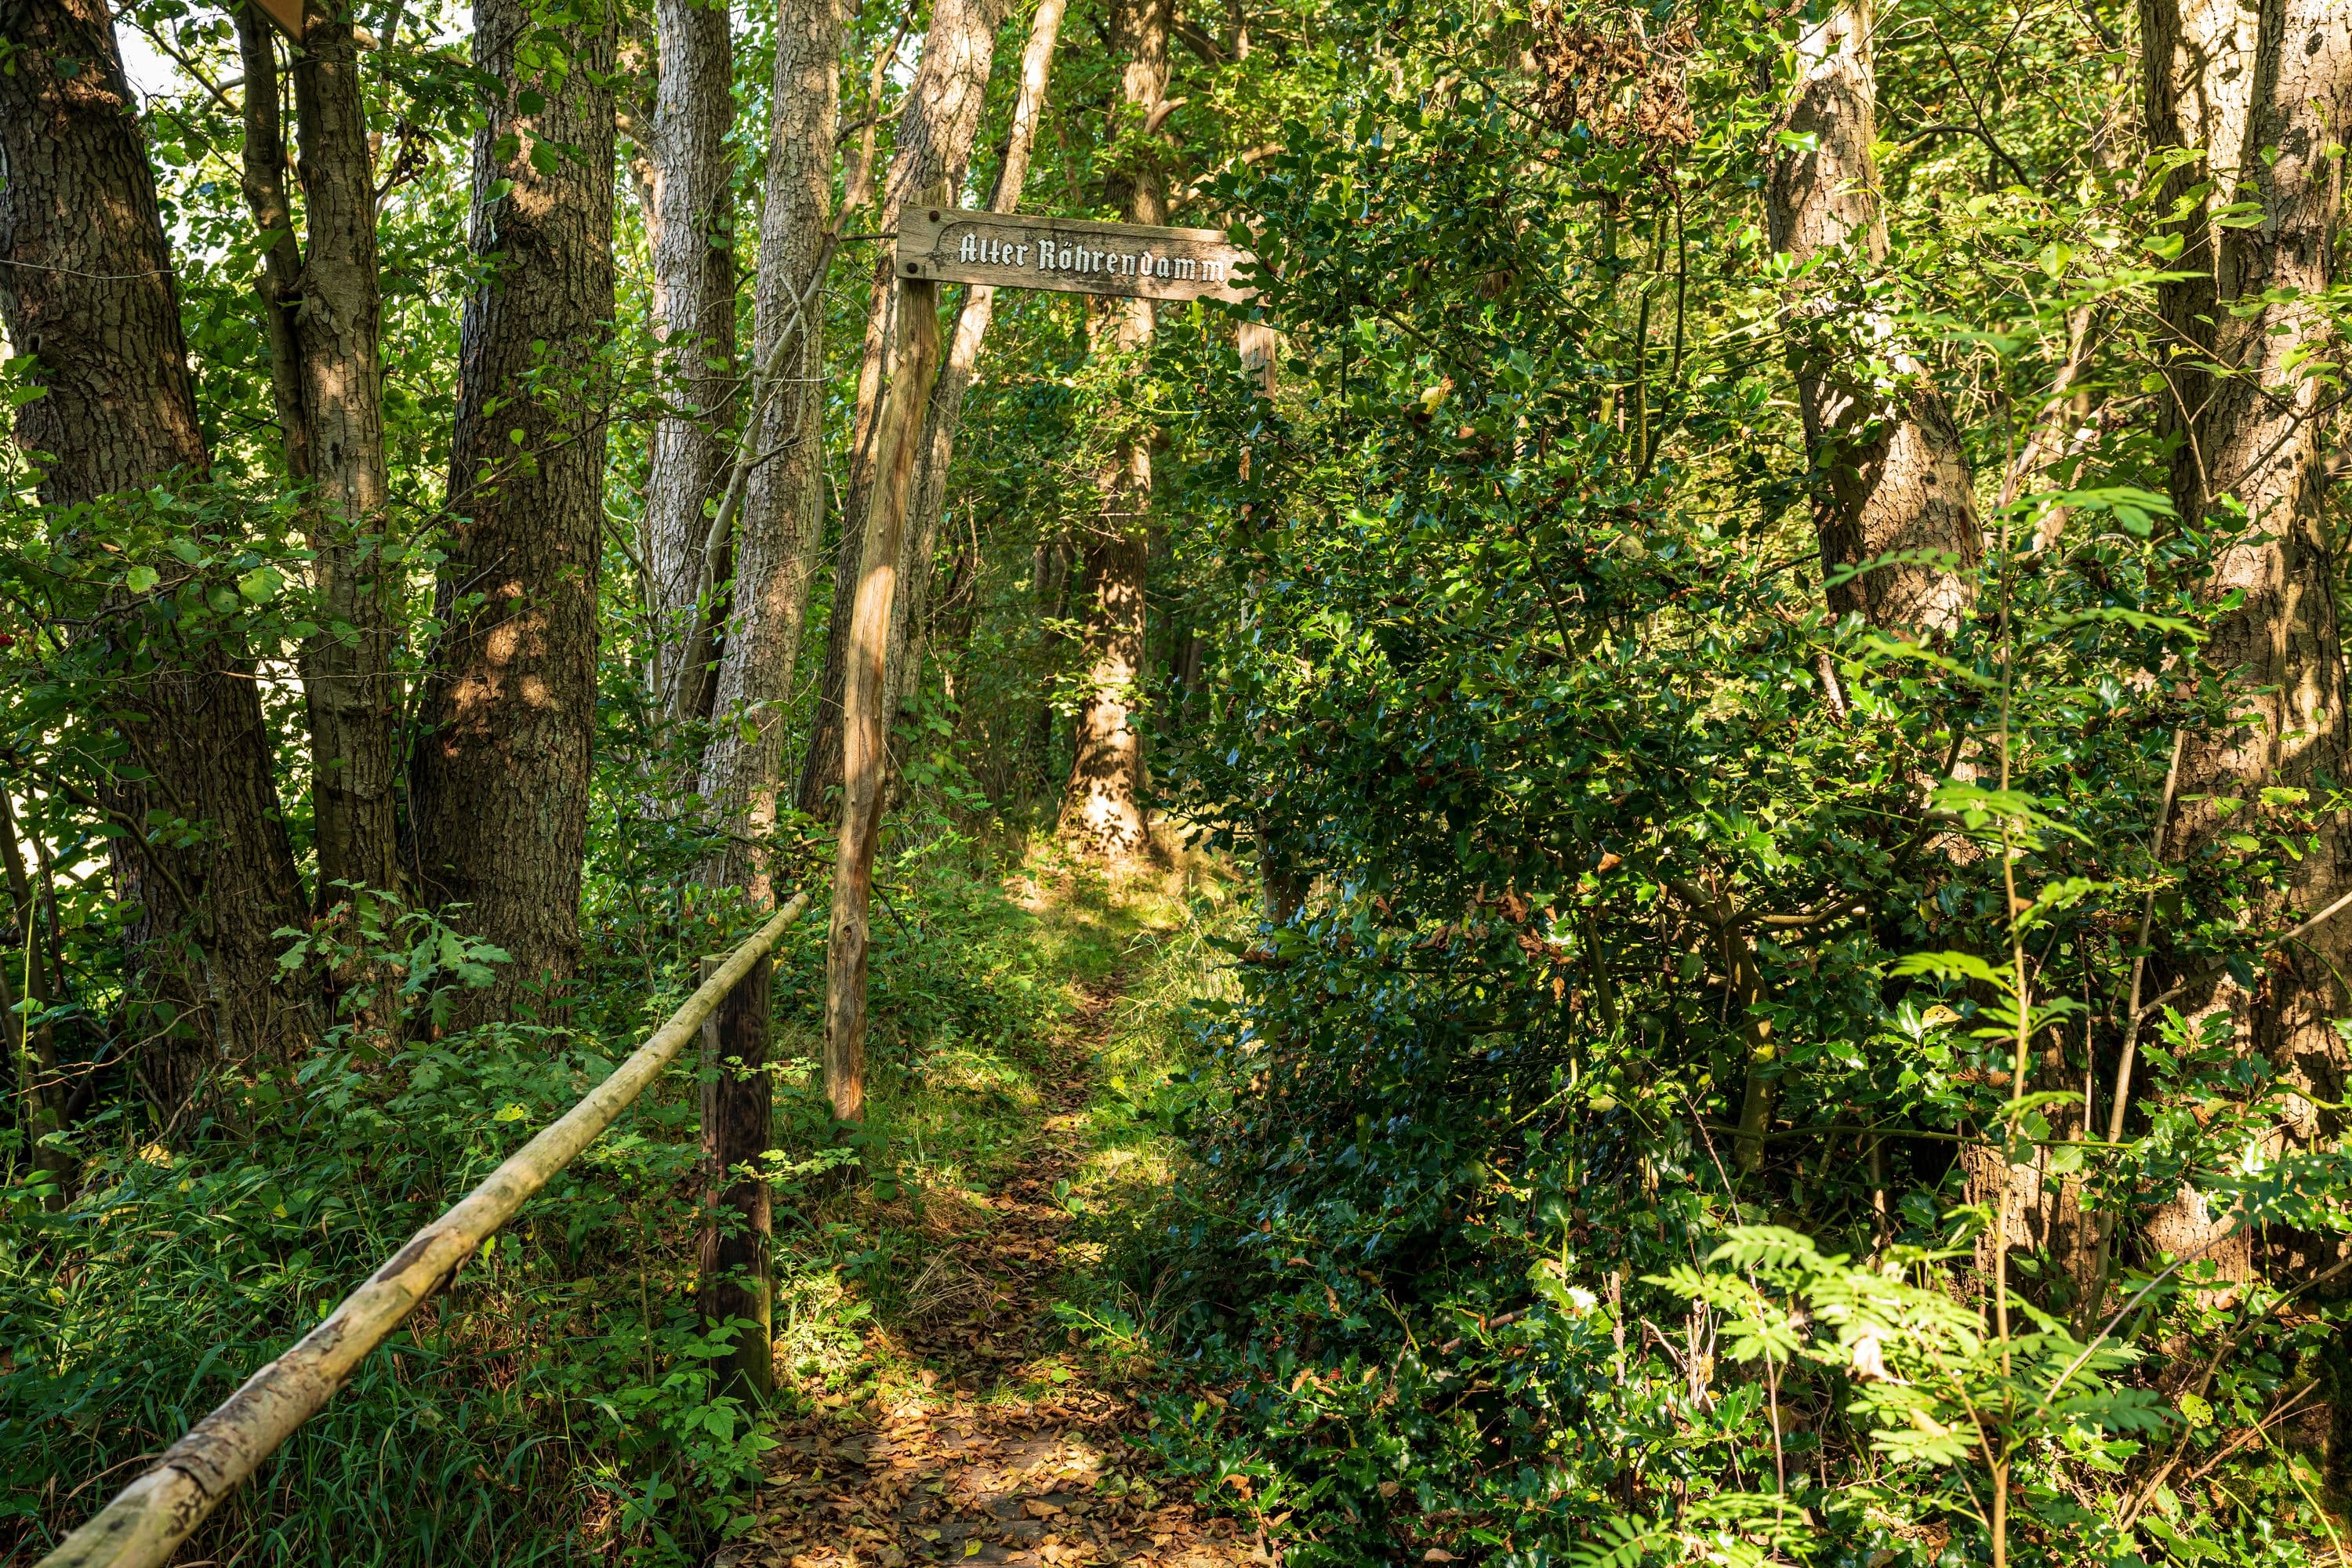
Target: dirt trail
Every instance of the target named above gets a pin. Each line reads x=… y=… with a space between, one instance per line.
x=959 y=1458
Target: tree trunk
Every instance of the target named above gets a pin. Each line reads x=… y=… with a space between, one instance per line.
x=279 y=287
x=1282 y=881
x=935 y=137
x=2262 y=93
x=2036 y=1211
x=1889 y=474
x=2195 y=93
x=915 y=363
x=784 y=504
x=738 y=1129
x=694 y=317
x=346 y=668
x=900 y=667
x=1102 y=804
x=501 y=778
x=87 y=294
x=90 y=290
x=1888 y=478
x=1102 y=809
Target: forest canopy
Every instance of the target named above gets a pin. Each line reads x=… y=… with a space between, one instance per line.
x=1667 y=793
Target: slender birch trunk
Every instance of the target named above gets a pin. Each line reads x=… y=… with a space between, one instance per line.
x=934 y=145
x=693 y=233
x=782 y=530
x=902 y=666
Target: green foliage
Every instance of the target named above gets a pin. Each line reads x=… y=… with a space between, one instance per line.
x=1619 y=841
x=1598 y=1168
x=536 y=1376
x=558 y=1401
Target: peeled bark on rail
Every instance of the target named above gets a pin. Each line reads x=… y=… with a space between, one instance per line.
x=2262 y=92
x=500 y=778
x=87 y=295
x=146 y=1520
x=782 y=535
x=1890 y=476
x=934 y=147
x=901 y=668
x=694 y=317
x=1102 y=804
x=913 y=363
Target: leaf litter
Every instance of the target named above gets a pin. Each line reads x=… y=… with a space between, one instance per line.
x=988 y=1442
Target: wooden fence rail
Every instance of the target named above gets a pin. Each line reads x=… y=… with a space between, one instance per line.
x=154 y=1513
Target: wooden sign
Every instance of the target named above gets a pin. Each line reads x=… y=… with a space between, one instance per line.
x=1071 y=255
x=287 y=14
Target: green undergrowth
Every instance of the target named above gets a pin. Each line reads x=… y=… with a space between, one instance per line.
x=557 y=1402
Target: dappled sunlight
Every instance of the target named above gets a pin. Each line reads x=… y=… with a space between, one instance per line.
x=953 y=1416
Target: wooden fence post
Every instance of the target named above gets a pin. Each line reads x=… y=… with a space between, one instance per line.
x=738 y=1128
x=149 y=1518
x=865 y=728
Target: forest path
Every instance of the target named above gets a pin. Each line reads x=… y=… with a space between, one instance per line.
x=986 y=1436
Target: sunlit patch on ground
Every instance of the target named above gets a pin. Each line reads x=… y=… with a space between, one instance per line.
x=967 y=1426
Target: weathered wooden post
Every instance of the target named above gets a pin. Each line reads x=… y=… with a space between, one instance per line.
x=914 y=366
x=738 y=1127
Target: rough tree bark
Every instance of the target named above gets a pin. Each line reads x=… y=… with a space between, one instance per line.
x=322 y=316
x=2261 y=92
x=347 y=683
x=782 y=532
x=1891 y=476
x=913 y=364
x=694 y=316
x=500 y=778
x=1102 y=804
x=934 y=144
x=901 y=667
x=739 y=1110
x=87 y=294
x=279 y=287
x=89 y=290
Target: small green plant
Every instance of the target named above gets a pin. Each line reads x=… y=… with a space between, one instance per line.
x=1950 y=1405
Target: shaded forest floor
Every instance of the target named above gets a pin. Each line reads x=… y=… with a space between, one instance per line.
x=975 y=1422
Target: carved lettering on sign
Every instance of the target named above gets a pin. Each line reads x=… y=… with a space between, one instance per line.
x=1071 y=255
